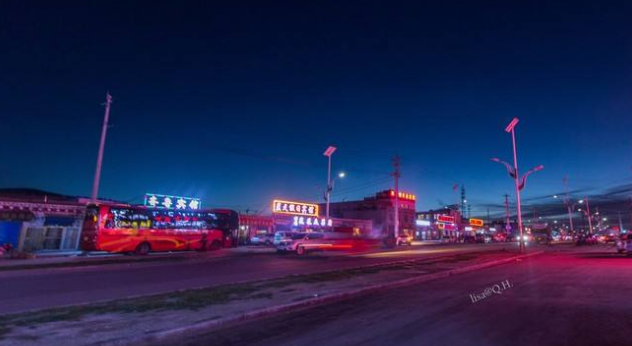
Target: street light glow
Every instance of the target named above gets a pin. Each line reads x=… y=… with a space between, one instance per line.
x=341 y=175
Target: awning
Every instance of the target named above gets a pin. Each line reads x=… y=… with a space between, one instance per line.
x=63 y=221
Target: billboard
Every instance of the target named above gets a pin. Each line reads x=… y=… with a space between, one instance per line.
x=445 y=218
x=156 y=201
x=476 y=222
x=294 y=208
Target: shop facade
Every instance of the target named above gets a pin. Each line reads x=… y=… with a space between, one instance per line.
x=40 y=226
x=254 y=225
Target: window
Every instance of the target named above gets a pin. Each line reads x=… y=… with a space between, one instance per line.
x=53 y=238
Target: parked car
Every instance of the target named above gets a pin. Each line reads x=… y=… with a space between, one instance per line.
x=404 y=239
x=479 y=238
x=262 y=239
x=541 y=238
x=499 y=238
x=281 y=236
x=586 y=239
x=302 y=243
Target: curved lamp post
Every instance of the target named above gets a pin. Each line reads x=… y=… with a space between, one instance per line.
x=520 y=182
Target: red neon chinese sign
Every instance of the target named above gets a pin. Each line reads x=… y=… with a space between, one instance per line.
x=403 y=195
x=445 y=218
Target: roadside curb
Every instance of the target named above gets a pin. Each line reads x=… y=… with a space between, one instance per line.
x=206 y=326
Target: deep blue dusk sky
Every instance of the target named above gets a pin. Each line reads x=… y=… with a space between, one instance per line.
x=236 y=103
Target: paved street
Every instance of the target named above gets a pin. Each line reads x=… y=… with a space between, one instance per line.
x=577 y=296
x=37 y=289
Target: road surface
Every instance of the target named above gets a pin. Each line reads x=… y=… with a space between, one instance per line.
x=42 y=288
x=555 y=299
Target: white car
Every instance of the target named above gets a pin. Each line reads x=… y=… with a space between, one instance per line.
x=281 y=236
x=262 y=239
x=302 y=243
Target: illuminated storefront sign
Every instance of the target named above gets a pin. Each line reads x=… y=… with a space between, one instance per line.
x=311 y=221
x=445 y=218
x=476 y=222
x=156 y=201
x=422 y=223
x=403 y=195
x=294 y=208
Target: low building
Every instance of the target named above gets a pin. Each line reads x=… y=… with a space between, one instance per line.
x=38 y=221
x=251 y=225
x=380 y=210
x=436 y=224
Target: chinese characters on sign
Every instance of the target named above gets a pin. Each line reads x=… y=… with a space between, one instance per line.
x=294 y=208
x=403 y=195
x=171 y=202
x=311 y=221
x=445 y=218
x=476 y=222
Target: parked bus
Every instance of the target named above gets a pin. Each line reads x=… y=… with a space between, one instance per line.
x=138 y=229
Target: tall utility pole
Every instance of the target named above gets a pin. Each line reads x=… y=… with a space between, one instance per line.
x=330 y=150
x=104 y=130
x=590 y=228
x=567 y=201
x=463 y=201
x=507 y=221
x=396 y=174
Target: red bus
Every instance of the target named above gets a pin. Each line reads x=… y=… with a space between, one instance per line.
x=138 y=229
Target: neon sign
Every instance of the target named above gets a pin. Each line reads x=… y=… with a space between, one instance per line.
x=476 y=222
x=294 y=208
x=403 y=195
x=311 y=221
x=445 y=218
x=156 y=201
x=422 y=223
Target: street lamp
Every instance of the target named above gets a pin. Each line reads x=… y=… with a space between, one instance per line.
x=520 y=182
x=330 y=151
x=333 y=180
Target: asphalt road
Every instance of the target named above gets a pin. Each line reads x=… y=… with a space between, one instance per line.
x=43 y=288
x=556 y=299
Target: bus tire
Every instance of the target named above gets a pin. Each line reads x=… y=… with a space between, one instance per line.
x=143 y=249
x=215 y=245
x=300 y=250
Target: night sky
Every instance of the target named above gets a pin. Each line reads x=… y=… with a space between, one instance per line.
x=235 y=102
